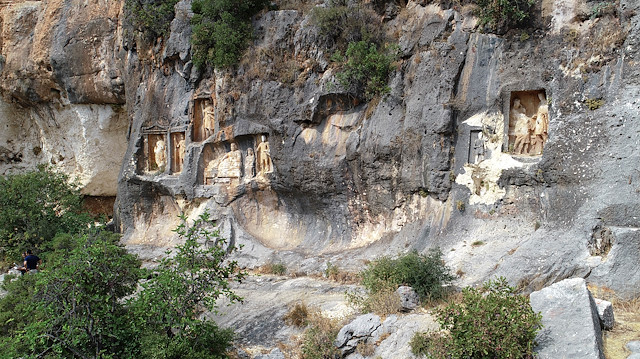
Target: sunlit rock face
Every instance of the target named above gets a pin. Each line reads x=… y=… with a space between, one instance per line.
x=62 y=95
x=526 y=141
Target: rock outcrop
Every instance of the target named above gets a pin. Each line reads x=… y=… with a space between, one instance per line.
x=525 y=141
x=570 y=322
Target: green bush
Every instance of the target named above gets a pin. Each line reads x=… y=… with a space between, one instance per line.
x=184 y=285
x=365 y=68
x=221 y=30
x=489 y=322
x=426 y=274
x=152 y=17
x=499 y=15
x=34 y=207
x=339 y=24
x=75 y=307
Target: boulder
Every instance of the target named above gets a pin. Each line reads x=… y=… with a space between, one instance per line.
x=409 y=299
x=571 y=327
x=359 y=330
x=605 y=313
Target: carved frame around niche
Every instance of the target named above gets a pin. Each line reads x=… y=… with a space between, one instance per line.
x=524 y=134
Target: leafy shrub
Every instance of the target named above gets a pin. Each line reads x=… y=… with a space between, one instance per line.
x=426 y=274
x=499 y=15
x=35 y=206
x=317 y=340
x=221 y=30
x=75 y=307
x=339 y=24
x=152 y=17
x=489 y=322
x=366 y=68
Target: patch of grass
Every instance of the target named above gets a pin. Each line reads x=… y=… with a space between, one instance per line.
x=317 y=340
x=627 y=324
x=277 y=268
x=594 y=103
x=477 y=243
x=460 y=205
x=297 y=316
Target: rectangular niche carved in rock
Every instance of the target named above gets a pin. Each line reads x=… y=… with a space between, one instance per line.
x=177 y=151
x=528 y=122
x=203 y=119
x=156 y=152
x=476 y=146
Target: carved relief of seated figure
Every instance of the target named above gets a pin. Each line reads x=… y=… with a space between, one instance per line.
x=231 y=164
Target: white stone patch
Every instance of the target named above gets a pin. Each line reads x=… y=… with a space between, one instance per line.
x=482 y=178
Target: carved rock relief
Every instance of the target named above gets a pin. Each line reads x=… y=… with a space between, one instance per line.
x=203 y=119
x=233 y=165
x=528 y=123
x=177 y=151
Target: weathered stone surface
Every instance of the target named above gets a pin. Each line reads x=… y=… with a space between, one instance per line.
x=409 y=299
x=274 y=354
x=634 y=346
x=358 y=331
x=605 y=314
x=570 y=324
x=400 y=330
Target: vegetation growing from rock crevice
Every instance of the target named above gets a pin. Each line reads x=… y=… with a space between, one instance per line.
x=221 y=30
x=499 y=15
x=151 y=17
x=489 y=322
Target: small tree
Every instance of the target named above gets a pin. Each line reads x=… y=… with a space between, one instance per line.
x=182 y=287
x=35 y=206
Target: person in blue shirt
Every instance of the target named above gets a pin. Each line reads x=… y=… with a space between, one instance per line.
x=31 y=262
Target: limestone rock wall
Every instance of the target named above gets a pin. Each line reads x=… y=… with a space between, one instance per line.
x=62 y=97
x=298 y=170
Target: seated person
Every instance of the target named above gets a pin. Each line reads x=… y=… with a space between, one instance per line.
x=31 y=262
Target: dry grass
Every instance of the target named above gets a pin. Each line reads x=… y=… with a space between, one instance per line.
x=627 y=325
x=276 y=268
x=317 y=339
x=297 y=316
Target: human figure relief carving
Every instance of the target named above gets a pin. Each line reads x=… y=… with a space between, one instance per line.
x=179 y=155
x=264 y=157
x=249 y=169
x=160 y=154
x=529 y=133
x=209 y=119
x=231 y=164
x=540 y=127
x=522 y=128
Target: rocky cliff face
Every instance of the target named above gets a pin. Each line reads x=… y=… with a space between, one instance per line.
x=298 y=170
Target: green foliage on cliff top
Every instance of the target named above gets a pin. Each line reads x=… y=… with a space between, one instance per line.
x=499 y=15
x=152 y=17
x=221 y=30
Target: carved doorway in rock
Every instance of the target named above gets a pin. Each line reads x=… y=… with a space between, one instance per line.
x=528 y=122
x=177 y=151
